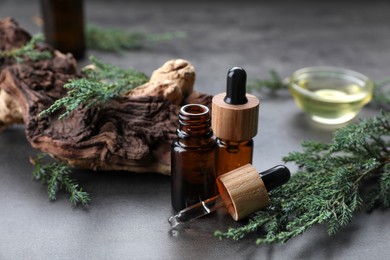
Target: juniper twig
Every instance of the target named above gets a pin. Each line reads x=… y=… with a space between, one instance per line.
x=102 y=82
x=334 y=181
x=117 y=40
x=56 y=175
x=28 y=50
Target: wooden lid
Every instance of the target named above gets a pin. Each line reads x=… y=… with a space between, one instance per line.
x=235 y=122
x=243 y=191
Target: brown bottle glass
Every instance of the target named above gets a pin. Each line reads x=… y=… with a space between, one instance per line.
x=64 y=25
x=232 y=155
x=235 y=120
x=193 y=158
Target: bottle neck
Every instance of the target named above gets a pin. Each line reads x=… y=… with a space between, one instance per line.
x=194 y=125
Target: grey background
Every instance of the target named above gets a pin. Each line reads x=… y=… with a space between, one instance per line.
x=127 y=218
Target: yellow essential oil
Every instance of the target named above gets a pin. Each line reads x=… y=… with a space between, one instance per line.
x=329 y=99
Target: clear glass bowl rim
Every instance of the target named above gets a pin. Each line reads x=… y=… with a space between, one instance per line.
x=368 y=84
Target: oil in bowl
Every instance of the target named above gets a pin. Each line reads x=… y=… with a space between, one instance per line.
x=330 y=95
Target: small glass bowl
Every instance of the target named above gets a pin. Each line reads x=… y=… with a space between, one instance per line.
x=330 y=95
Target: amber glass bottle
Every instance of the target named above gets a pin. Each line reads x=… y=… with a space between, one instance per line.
x=234 y=121
x=64 y=25
x=193 y=176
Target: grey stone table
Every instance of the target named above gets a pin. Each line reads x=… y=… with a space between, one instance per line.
x=127 y=218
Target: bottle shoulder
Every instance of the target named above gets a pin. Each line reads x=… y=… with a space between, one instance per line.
x=228 y=143
x=182 y=144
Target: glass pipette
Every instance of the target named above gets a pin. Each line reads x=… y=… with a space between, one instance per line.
x=272 y=178
x=196 y=211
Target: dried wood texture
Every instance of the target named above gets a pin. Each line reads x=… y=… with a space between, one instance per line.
x=243 y=191
x=131 y=133
x=173 y=86
x=11 y=36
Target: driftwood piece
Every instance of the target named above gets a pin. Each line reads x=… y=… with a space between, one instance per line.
x=11 y=36
x=174 y=80
x=131 y=133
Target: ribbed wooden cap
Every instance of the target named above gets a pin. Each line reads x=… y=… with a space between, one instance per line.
x=235 y=122
x=243 y=191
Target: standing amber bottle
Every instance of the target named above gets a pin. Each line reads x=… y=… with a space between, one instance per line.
x=64 y=25
x=234 y=121
x=193 y=175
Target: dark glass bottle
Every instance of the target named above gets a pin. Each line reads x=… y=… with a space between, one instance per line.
x=234 y=121
x=64 y=25
x=193 y=175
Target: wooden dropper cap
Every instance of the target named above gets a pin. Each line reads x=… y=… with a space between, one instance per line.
x=245 y=190
x=235 y=113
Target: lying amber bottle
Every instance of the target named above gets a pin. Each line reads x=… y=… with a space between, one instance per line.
x=234 y=121
x=193 y=175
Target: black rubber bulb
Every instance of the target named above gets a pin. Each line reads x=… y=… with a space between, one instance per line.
x=275 y=177
x=236 y=86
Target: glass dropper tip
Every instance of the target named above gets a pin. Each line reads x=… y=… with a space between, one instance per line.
x=196 y=211
x=174 y=221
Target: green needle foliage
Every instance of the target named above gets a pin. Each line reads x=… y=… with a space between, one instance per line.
x=28 y=50
x=273 y=85
x=102 y=82
x=334 y=181
x=116 y=40
x=382 y=93
x=56 y=176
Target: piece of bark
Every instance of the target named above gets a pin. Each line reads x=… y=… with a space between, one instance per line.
x=11 y=37
x=10 y=112
x=174 y=80
x=131 y=133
